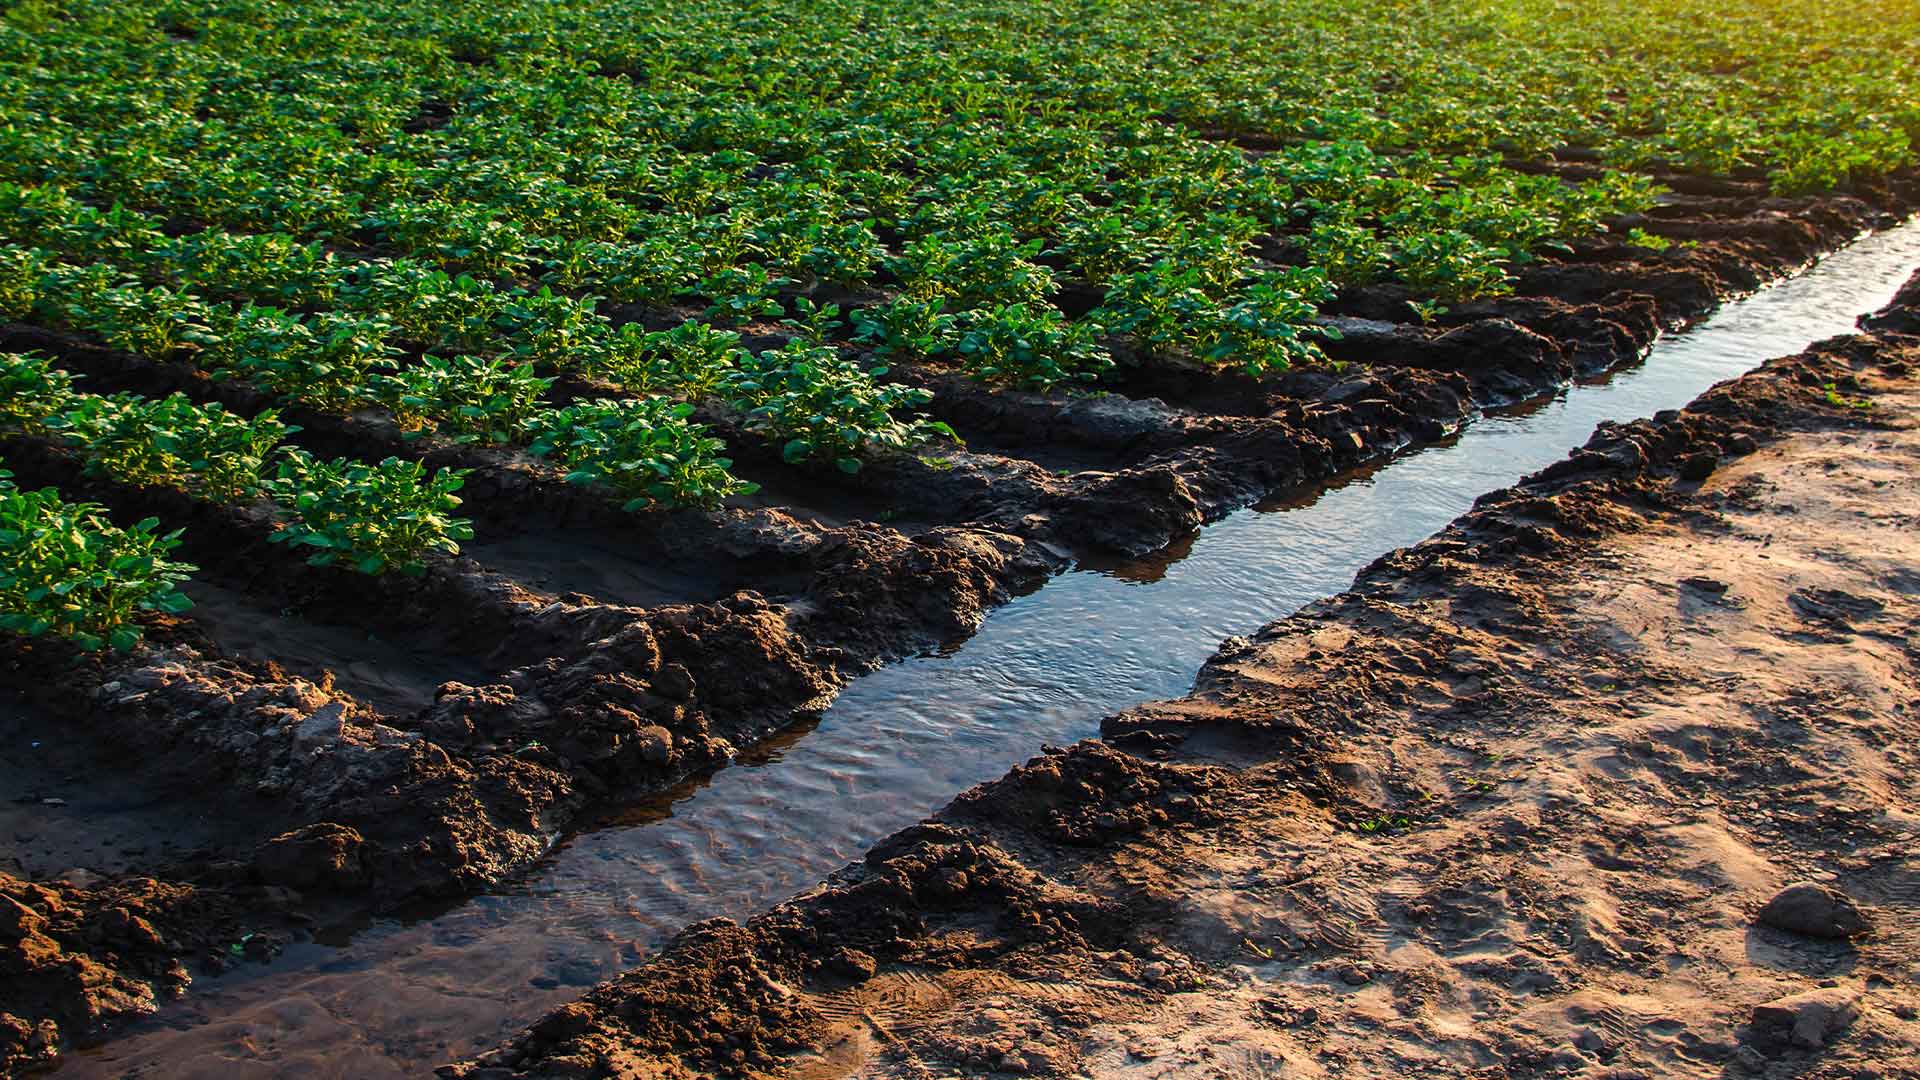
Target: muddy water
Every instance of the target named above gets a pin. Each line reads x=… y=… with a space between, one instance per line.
x=396 y=998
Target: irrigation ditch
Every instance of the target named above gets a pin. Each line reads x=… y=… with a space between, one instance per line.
x=372 y=853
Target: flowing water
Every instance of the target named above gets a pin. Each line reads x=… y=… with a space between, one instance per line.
x=395 y=998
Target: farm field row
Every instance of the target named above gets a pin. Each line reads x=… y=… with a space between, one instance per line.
x=429 y=422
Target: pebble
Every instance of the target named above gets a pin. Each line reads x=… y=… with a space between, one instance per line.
x=1809 y=1018
x=1814 y=910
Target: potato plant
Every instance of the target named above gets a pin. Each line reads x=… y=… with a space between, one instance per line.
x=818 y=404
x=370 y=518
x=645 y=450
x=67 y=571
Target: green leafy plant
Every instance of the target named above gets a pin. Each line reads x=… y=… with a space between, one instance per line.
x=741 y=294
x=1641 y=238
x=470 y=398
x=372 y=518
x=690 y=359
x=646 y=450
x=327 y=362
x=20 y=272
x=818 y=404
x=68 y=571
x=1028 y=347
x=907 y=328
x=31 y=392
x=173 y=442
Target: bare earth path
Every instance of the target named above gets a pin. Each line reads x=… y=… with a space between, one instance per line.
x=1510 y=807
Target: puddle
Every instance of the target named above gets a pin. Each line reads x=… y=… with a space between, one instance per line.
x=398 y=998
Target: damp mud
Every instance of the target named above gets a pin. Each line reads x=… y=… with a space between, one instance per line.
x=396 y=995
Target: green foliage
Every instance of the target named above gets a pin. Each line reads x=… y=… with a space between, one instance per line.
x=467 y=397
x=1272 y=324
x=20 y=272
x=907 y=328
x=32 y=392
x=1450 y=266
x=690 y=359
x=272 y=202
x=327 y=361
x=269 y=269
x=1651 y=241
x=68 y=571
x=372 y=518
x=156 y=323
x=987 y=266
x=557 y=333
x=171 y=442
x=741 y=294
x=1029 y=347
x=645 y=450
x=819 y=404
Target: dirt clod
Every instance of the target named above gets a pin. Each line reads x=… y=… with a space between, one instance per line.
x=1814 y=910
x=1810 y=1019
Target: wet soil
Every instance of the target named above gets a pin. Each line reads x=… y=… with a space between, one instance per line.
x=372 y=790
x=1547 y=794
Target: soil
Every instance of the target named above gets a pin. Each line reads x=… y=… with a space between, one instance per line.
x=411 y=738
x=1610 y=778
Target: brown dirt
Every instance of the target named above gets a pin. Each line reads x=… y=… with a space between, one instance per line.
x=1510 y=807
x=390 y=783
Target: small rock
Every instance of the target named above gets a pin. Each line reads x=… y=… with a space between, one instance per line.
x=949 y=882
x=1354 y=976
x=1750 y=1059
x=1153 y=972
x=654 y=744
x=1702 y=583
x=17 y=920
x=853 y=964
x=1810 y=1017
x=1697 y=467
x=1590 y=1041
x=674 y=681
x=323 y=855
x=121 y=925
x=326 y=727
x=1814 y=910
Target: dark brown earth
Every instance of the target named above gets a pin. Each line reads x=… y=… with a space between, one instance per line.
x=1611 y=778
x=367 y=744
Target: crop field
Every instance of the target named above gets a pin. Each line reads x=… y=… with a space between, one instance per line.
x=427 y=422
